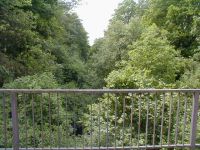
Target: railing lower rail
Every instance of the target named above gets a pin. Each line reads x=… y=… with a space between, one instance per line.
x=67 y=119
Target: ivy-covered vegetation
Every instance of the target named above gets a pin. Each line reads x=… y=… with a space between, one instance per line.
x=148 y=44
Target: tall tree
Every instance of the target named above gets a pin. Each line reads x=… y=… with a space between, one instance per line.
x=124 y=29
x=180 y=20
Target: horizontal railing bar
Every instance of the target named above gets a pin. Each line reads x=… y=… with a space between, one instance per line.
x=97 y=90
x=113 y=148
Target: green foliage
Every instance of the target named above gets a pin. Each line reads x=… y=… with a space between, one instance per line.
x=179 y=19
x=118 y=118
x=37 y=61
x=152 y=44
x=38 y=81
x=177 y=33
x=149 y=44
x=46 y=37
x=153 y=63
x=113 y=48
x=125 y=11
x=191 y=78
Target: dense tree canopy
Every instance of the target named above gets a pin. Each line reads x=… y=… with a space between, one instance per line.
x=159 y=37
x=148 y=44
x=42 y=36
x=151 y=44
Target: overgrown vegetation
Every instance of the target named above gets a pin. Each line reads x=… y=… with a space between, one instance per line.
x=149 y=44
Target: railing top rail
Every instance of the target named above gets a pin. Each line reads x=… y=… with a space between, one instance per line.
x=98 y=90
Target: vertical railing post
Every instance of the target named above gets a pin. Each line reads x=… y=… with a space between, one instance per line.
x=15 y=126
x=194 y=120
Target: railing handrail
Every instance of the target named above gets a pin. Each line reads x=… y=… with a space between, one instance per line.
x=192 y=93
x=99 y=90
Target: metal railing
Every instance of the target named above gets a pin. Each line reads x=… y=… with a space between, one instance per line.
x=69 y=119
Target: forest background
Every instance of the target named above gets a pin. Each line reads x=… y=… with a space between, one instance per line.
x=148 y=44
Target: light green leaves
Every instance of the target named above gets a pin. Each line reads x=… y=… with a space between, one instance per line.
x=152 y=62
